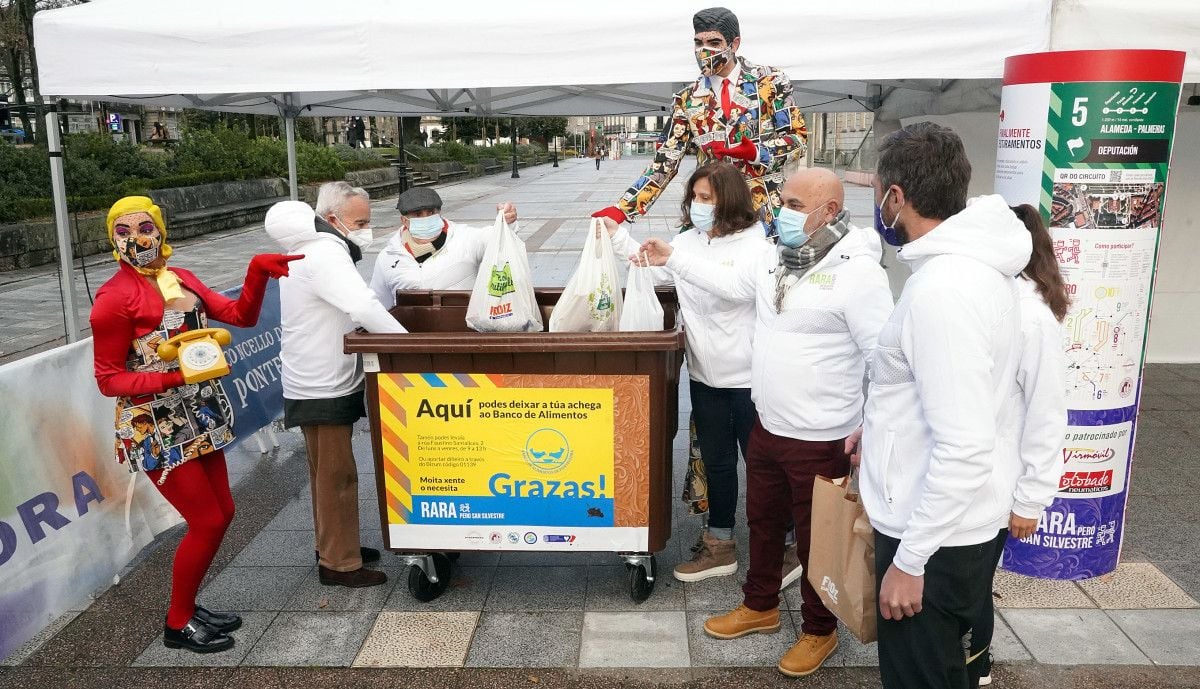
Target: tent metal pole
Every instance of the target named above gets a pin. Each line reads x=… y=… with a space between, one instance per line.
x=289 y=122
x=513 y=121
x=66 y=257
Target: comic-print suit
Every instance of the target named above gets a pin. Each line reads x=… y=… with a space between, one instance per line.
x=762 y=111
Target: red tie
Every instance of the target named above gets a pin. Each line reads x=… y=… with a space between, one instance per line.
x=726 y=105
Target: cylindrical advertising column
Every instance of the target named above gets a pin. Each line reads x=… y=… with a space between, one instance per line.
x=1085 y=136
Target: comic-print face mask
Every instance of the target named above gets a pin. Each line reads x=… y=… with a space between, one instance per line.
x=712 y=61
x=139 y=243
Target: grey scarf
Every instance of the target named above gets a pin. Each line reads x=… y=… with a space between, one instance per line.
x=810 y=253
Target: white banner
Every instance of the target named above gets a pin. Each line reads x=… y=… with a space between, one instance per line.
x=63 y=531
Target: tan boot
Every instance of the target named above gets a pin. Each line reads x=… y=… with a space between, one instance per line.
x=792 y=569
x=741 y=622
x=717 y=558
x=807 y=655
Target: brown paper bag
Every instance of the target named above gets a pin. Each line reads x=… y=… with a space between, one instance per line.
x=841 y=560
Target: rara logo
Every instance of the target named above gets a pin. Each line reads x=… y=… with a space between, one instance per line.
x=547 y=450
x=501 y=282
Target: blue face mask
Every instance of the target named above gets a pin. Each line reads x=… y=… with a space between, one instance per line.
x=702 y=215
x=427 y=227
x=790 y=226
x=888 y=232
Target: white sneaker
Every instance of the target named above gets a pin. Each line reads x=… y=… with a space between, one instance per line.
x=985 y=680
x=792 y=569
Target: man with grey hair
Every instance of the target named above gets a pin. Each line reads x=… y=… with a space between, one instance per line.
x=322 y=385
x=347 y=209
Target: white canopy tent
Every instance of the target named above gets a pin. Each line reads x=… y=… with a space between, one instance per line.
x=898 y=58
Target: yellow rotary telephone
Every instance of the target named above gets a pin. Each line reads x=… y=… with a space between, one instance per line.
x=199 y=353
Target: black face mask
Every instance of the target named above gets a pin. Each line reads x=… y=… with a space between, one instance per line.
x=323 y=226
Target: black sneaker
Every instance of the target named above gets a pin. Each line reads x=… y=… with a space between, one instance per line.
x=223 y=622
x=196 y=637
x=368 y=555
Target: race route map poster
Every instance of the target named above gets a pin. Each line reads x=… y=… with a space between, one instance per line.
x=515 y=461
x=1085 y=136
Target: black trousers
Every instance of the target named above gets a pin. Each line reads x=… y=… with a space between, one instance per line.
x=724 y=418
x=926 y=651
x=979 y=654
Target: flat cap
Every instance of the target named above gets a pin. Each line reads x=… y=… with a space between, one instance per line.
x=418 y=198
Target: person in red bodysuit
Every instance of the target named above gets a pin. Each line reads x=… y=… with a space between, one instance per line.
x=172 y=430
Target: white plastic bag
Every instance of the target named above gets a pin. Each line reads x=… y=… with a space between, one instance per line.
x=502 y=300
x=591 y=301
x=641 y=310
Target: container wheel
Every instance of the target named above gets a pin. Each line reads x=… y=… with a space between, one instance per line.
x=641 y=583
x=419 y=585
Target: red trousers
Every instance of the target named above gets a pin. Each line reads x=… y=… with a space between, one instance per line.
x=779 y=486
x=199 y=490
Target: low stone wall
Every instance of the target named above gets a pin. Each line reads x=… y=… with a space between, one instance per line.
x=189 y=211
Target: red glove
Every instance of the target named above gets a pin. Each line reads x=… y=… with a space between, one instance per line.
x=746 y=150
x=613 y=213
x=273 y=265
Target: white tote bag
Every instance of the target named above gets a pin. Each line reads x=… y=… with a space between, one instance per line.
x=502 y=300
x=591 y=301
x=641 y=310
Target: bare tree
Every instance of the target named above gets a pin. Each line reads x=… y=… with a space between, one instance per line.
x=18 y=57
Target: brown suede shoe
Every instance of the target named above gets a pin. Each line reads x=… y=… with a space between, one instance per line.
x=742 y=621
x=807 y=655
x=360 y=578
x=792 y=569
x=717 y=558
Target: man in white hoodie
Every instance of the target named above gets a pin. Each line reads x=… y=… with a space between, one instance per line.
x=818 y=313
x=940 y=454
x=322 y=386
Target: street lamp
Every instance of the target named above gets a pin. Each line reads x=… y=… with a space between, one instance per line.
x=401 y=159
x=515 y=174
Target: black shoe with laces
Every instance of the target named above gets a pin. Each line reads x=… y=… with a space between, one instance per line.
x=223 y=622
x=197 y=637
x=368 y=555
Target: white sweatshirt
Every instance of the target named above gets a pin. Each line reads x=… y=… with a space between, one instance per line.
x=809 y=360
x=452 y=268
x=1044 y=419
x=940 y=440
x=719 y=330
x=323 y=298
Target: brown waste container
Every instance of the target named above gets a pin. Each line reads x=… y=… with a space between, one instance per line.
x=549 y=442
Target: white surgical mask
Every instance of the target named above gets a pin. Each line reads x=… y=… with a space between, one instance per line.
x=427 y=227
x=362 y=237
x=702 y=215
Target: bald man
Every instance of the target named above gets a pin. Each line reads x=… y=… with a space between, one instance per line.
x=820 y=309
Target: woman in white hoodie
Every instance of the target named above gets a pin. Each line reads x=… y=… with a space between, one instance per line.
x=723 y=228
x=1043 y=303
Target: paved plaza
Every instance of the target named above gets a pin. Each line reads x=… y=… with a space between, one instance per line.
x=544 y=620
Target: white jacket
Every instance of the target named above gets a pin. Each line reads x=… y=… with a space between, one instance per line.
x=454 y=267
x=809 y=361
x=323 y=298
x=719 y=330
x=1044 y=416
x=940 y=460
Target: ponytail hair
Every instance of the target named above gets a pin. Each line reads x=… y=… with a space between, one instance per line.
x=1043 y=266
